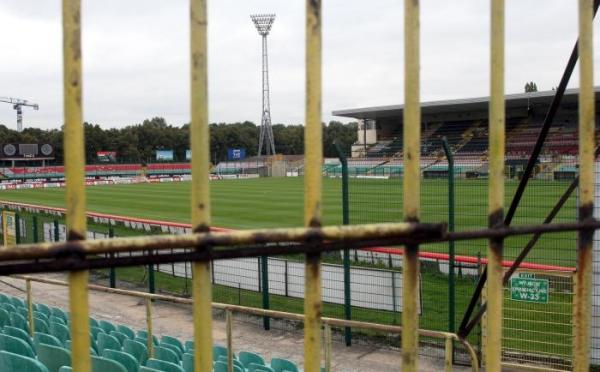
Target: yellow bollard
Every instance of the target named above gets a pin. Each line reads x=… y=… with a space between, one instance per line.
x=75 y=178
x=229 y=329
x=411 y=184
x=150 y=338
x=200 y=192
x=496 y=191
x=583 y=275
x=30 y=307
x=313 y=149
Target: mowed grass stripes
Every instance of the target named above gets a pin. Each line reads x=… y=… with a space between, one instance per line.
x=278 y=202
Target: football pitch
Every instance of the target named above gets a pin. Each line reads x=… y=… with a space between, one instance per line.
x=278 y=202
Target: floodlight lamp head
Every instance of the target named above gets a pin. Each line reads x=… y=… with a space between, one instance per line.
x=263 y=22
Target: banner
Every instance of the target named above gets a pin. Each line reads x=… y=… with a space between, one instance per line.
x=164 y=155
x=236 y=154
x=188 y=154
x=106 y=156
x=9 y=227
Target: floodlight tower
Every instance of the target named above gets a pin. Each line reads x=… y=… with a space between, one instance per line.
x=263 y=23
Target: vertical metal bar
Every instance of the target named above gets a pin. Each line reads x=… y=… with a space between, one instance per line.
x=35 y=232
x=264 y=264
x=229 y=329
x=30 y=307
x=75 y=178
x=346 y=258
x=56 y=231
x=411 y=183
x=200 y=198
x=113 y=271
x=17 y=228
x=451 y=253
x=152 y=280
x=495 y=190
x=150 y=337
x=313 y=150
x=448 y=354
x=328 y=347
x=583 y=275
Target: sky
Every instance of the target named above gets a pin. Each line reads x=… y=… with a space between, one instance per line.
x=136 y=56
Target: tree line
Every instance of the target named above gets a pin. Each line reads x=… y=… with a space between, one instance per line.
x=138 y=143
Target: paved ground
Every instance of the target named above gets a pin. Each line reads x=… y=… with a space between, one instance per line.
x=176 y=320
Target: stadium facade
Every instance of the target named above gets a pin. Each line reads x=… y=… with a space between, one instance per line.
x=465 y=124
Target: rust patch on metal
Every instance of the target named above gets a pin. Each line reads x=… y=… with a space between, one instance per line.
x=586 y=237
x=201 y=229
x=74 y=236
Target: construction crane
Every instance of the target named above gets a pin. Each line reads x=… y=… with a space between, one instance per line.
x=18 y=105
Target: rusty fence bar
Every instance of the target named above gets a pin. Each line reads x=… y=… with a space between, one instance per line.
x=495 y=296
x=200 y=189
x=230 y=309
x=583 y=275
x=75 y=179
x=313 y=152
x=411 y=184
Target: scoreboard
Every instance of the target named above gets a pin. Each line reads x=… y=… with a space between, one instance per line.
x=26 y=151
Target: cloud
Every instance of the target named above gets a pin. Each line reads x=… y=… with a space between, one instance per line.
x=136 y=56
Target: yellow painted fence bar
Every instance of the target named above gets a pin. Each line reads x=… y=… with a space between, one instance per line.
x=75 y=179
x=495 y=294
x=583 y=275
x=411 y=184
x=200 y=198
x=313 y=150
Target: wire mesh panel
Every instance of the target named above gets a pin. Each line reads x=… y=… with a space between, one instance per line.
x=538 y=319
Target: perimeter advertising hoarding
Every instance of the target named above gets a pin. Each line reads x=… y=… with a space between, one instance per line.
x=164 y=155
x=236 y=154
x=106 y=156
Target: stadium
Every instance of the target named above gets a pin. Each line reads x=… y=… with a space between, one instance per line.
x=450 y=235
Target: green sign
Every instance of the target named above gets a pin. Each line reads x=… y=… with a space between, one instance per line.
x=528 y=289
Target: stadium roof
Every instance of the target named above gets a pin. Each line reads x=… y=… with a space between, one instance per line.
x=521 y=100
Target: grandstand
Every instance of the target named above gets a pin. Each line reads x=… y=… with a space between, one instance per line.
x=98 y=170
x=464 y=122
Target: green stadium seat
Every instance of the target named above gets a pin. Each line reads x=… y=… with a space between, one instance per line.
x=108 y=327
x=40 y=325
x=95 y=331
x=189 y=346
x=14 y=362
x=45 y=309
x=17 y=302
x=60 y=331
x=94 y=323
x=137 y=349
x=280 y=365
x=23 y=311
x=4 y=299
x=39 y=314
x=173 y=348
x=253 y=367
x=235 y=362
x=92 y=347
x=4 y=318
x=161 y=365
x=56 y=319
x=172 y=341
x=218 y=351
x=16 y=346
x=162 y=353
x=8 y=307
x=222 y=367
x=148 y=369
x=100 y=364
x=105 y=342
x=119 y=336
x=187 y=361
x=53 y=357
x=247 y=357
x=65 y=369
x=19 y=333
x=127 y=360
x=126 y=331
x=43 y=338
x=19 y=321
x=143 y=334
x=60 y=313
